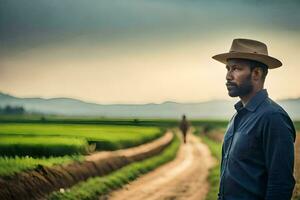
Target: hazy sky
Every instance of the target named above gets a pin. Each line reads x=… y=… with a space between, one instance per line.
x=140 y=51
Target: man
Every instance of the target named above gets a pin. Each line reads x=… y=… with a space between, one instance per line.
x=184 y=127
x=258 y=148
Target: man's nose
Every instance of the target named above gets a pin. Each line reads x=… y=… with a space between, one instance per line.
x=228 y=75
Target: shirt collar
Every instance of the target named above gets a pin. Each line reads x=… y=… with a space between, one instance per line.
x=254 y=101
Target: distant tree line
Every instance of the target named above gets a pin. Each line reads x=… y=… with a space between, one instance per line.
x=12 y=110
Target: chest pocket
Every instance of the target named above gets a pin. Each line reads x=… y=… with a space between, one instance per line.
x=245 y=145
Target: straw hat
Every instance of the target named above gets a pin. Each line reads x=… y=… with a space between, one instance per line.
x=251 y=50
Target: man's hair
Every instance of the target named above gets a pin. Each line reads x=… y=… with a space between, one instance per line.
x=254 y=64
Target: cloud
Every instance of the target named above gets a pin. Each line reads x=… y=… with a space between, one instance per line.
x=36 y=23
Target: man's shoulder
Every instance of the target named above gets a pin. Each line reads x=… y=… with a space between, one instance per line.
x=270 y=107
x=273 y=113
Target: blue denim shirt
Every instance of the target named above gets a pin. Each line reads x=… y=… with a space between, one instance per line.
x=258 y=152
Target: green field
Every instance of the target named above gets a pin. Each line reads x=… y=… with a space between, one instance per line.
x=103 y=136
x=26 y=145
x=53 y=119
x=39 y=146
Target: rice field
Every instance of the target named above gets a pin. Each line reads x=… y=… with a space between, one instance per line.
x=27 y=145
x=104 y=137
x=43 y=146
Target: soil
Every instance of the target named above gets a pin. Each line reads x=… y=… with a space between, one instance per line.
x=36 y=184
x=183 y=178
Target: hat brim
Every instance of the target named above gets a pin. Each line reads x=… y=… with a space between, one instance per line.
x=267 y=60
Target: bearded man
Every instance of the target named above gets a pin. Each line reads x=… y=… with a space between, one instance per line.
x=258 y=148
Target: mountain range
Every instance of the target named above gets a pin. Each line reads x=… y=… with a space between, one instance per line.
x=215 y=109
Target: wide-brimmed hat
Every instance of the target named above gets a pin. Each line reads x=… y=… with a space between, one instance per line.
x=251 y=50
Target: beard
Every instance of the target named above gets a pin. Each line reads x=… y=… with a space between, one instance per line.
x=243 y=89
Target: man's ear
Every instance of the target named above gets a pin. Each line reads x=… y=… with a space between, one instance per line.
x=256 y=74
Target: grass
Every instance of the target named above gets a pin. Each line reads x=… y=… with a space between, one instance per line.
x=296 y=194
x=40 y=143
x=105 y=137
x=53 y=119
x=12 y=165
x=42 y=146
x=214 y=174
x=94 y=187
x=297 y=126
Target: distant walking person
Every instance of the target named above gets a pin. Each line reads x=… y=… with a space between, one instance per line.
x=258 y=148
x=184 y=127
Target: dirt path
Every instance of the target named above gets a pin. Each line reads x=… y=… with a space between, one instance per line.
x=183 y=178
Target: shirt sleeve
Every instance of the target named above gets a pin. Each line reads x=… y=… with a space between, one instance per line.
x=278 y=145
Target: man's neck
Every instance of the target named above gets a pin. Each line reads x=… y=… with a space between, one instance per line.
x=245 y=99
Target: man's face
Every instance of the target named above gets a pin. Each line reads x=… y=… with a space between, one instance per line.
x=239 y=79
